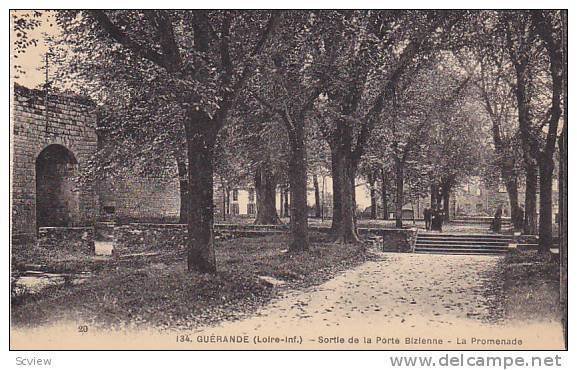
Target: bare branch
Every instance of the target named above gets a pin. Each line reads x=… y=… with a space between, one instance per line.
x=233 y=93
x=272 y=109
x=122 y=38
x=167 y=39
x=224 y=49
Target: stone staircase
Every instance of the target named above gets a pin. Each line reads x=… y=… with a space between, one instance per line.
x=505 y=221
x=447 y=243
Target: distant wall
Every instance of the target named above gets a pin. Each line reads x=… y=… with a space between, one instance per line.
x=140 y=198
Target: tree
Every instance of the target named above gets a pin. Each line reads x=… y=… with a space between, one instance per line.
x=520 y=41
x=199 y=60
x=22 y=23
x=258 y=148
x=563 y=187
x=422 y=100
x=535 y=47
x=548 y=26
x=288 y=85
x=452 y=159
x=376 y=48
x=488 y=64
x=318 y=164
x=371 y=173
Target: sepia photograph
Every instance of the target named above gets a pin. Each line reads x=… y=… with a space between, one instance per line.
x=288 y=179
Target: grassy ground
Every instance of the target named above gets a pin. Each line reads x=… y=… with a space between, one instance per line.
x=158 y=291
x=58 y=260
x=530 y=284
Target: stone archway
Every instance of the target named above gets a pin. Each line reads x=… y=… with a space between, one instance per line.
x=57 y=198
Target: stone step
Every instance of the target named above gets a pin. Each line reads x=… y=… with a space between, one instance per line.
x=480 y=222
x=461 y=246
x=452 y=243
x=466 y=240
x=462 y=252
x=463 y=241
x=449 y=235
x=480 y=219
x=250 y=232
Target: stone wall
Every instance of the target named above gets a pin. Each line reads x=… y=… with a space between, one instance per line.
x=168 y=238
x=137 y=198
x=142 y=238
x=38 y=122
x=72 y=239
x=398 y=240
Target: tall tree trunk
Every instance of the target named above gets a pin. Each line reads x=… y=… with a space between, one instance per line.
x=298 y=191
x=435 y=195
x=563 y=189
x=344 y=176
x=265 y=188
x=513 y=193
x=183 y=186
x=530 y=222
x=227 y=204
x=384 y=195
x=545 y=205
x=346 y=233
x=506 y=165
x=281 y=196
x=563 y=217
x=286 y=202
x=200 y=138
x=317 y=197
x=336 y=175
x=554 y=45
x=399 y=185
x=353 y=176
x=446 y=195
x=563 y=213
x=224 y=199
x=371 y=180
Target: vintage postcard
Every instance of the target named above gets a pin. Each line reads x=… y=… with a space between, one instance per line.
x=320 y=179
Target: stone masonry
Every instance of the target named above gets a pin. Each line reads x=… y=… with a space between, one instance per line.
x=41 y=123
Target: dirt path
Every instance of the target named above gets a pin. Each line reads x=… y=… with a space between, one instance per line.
x=401 y=301
x=445 y=298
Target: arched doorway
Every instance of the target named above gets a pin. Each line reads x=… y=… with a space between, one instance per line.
x=56 y=195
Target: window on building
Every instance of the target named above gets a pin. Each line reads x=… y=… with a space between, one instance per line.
x=235 y=195
x=251 y=195
x=234 y=209
x=251 y=209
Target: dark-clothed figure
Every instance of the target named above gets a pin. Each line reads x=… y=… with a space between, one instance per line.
x=427 y=216
x=434 y=218
x=440 y=218
x=496 y=224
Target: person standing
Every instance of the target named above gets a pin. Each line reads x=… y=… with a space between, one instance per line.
x=427 y=216
x=434 y=217
x=496 y=224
